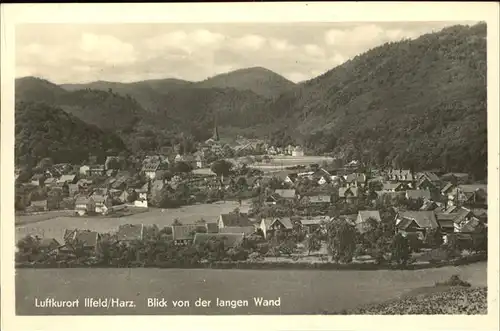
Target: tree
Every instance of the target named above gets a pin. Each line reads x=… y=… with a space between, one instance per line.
x=114 y=164
x=433 y=238
x=132 y=196
x=182 y=167
x=400 y=249
x=313 y=242
x=221 y=168
x=341 y=240
x=176 y=222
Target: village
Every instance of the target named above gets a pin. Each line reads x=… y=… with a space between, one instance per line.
x=292 y=209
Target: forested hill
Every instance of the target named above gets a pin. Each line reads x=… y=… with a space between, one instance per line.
x=44 y=131
x=415 y=103
x=261 y=81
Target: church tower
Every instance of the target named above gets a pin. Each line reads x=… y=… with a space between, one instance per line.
x=215 y=136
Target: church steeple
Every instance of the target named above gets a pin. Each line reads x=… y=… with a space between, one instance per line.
x=215 y=136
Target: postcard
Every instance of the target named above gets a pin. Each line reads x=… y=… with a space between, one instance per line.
x=282 y=166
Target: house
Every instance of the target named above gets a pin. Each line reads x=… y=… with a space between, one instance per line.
x=429 y=175
x=123 y=197
x=269 y=226
x=47 y=245
x=401 y=175
x=318 y=199
x=142 y=196
x=84 y=206
x=314 y=223
x=349 y=218
x=84 y=184
x=246 y=230
x=272 y=199
x=229 y=239
x=37 y=206
x=457 y=219
x=298 y=151
x=67 y=179
x=150 y=168
x=354 y=164
x=362 y=220
x=481 y=214
x=418 y=194
x=429 y=205
x=50 y=182
x=96 y=170
x=455 y=178
x=472 y=194
x=130 y=232
x=288 y=194
x=393 y=187
x=416 y=222
x=234 y=219
x=425 y=184
x=355 y=180
x=38 y=179
x=291 y=178
x=348 y=194
x=89 y=239
x=199 y=160
x=73 y=189
x=447 y=189
x=84 y=170
x=184 y=234
x=101 y=203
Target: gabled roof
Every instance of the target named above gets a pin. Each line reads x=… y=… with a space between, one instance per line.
x=320 y=199
x=183 y=232
x=355 y=178
x=128 y=232
x=88 y=238
x=471 y=188
x=99 y=198
x=418 y=194
x=66 y=178
x=343 y=191
x=235 y=219
x=151 y=166
x=424 y=219
x=286 y=221
x=364 y=215
x=390 y=186
x=247 y=230
x=446 y=188
x=431 y=176
x=315 y=220
x=285 y=193
x=229 y=239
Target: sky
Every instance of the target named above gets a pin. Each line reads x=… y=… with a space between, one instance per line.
x=79 y=53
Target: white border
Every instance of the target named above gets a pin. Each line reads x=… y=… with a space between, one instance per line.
x=12 y=14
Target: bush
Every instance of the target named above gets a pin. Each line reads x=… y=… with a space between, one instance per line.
x=454 y=281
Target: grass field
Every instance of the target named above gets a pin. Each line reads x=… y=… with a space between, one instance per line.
x=301 y=292
x=54 y=227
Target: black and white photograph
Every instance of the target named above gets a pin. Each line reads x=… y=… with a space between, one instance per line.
x=238 y=168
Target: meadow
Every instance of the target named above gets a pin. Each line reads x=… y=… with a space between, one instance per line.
x=300 y=291
x=54 y=226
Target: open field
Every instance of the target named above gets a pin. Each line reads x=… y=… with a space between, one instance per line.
x=54 y=227
x=42 y=216
x=301 y=292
